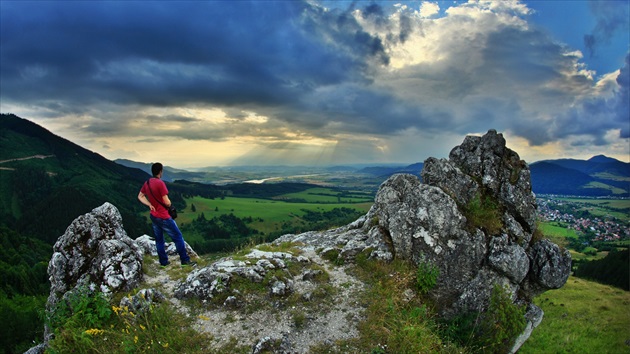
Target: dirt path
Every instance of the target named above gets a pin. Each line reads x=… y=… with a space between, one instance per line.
x=302 y=321
x=28 y=158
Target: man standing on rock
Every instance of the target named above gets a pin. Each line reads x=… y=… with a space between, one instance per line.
x=155 y=195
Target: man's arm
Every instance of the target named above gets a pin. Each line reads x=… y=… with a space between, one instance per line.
x=167 y=201
x=144 y=200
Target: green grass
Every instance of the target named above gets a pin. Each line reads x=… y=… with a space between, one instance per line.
x=327 y=195
x=556 y=230
x=613 y=189
x=557 y=233
x=392 y=323
x=483 y=212
x=582 y=317
x=618 y=208
x=160 y=329
x=606 y=175
x=273 y=213
x=579 y=256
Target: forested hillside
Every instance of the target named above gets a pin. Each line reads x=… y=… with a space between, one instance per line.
x=597 y=176
x=46 y=181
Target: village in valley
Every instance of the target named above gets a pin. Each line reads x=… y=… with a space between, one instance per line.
x=598 y=220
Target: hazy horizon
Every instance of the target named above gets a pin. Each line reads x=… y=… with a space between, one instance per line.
x=354 y=165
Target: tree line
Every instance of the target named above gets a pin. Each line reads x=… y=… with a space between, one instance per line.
x=23 y=291
x=612 y=269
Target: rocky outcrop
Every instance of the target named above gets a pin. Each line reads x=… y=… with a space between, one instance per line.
x=208 y=282
x=480 y=170
x=95 y=252
x=474 y=218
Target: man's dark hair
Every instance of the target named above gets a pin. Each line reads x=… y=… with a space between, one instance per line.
x=156 y=168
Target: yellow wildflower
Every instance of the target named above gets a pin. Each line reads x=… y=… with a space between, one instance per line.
x=116 y=309
x=94 y=331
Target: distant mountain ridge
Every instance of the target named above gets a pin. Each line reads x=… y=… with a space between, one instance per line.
x=386 y=171
x=170 y=173
x=596 y=164
x=598 y=176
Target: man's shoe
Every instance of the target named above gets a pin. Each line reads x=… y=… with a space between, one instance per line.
x=165 y=265
x=189 y=264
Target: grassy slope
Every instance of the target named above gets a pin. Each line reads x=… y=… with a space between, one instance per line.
x=582 y=317
x=601 y=185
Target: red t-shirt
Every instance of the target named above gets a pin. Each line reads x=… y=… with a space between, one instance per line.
x=158 y=189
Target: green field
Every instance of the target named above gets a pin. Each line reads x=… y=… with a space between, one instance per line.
x=582 y=317
x=326 y=195
x=618 y=208
x=557 y=232
x=606 y=175
x=269 y=215
x=613 y=189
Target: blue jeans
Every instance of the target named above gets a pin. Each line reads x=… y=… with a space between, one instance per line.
x=170 y=227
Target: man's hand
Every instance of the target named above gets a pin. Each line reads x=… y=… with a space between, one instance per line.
x=144 y=200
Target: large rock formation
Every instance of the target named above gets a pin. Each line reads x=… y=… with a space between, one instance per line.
x=474 y=218
x=94 y=252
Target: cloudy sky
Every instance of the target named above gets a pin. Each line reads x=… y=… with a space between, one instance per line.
x=211 y=83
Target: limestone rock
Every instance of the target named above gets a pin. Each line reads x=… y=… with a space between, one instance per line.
x=534 y=316
x=95 y=252
x=428 y=223
x=142 y=301
x=550 y=268
x=208 y=282
x=508 y=258
x=147 y=244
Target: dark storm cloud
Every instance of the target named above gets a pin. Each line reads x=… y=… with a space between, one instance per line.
x=521 y=56
x=596 y=116
x=155 y=53
x=346 y=35
x=517 y=59
x=611 y=16
x=279 y=71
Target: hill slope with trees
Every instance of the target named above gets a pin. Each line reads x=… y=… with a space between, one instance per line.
x=598 y=176
x=46 y=181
